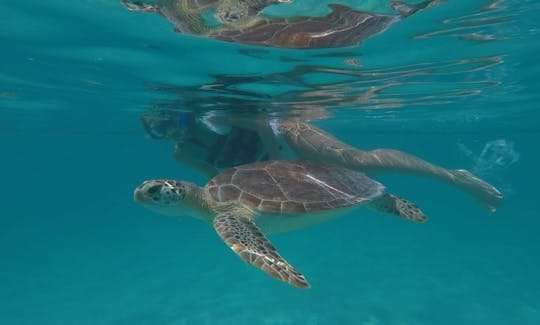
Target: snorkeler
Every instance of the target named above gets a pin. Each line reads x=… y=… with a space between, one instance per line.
x=213 y=142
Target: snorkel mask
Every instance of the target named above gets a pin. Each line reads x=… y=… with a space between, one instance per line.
x=166 y=125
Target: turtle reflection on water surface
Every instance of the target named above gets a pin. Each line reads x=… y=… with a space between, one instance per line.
x=241 y=21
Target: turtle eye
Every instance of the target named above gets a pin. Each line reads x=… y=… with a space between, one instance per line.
x=154 y=189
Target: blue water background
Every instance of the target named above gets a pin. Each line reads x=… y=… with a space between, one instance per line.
x=75 y=248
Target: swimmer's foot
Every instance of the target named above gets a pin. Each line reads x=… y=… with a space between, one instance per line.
x=487 y=194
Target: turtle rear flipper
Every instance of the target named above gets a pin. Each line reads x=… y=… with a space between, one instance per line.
x=246 y=240
x=395 y=205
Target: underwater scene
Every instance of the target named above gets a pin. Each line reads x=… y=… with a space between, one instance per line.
x=364 y=162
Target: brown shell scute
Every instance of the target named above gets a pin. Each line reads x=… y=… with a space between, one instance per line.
x=229 y=192
x=291 y=206
x=270 y=206
x=293 y=186
x=258 y=182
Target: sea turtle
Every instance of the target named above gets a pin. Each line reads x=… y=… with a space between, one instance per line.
x=241 y=21
x=245 y=202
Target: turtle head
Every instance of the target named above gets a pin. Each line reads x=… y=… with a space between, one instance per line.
x=139 y=5
x=169 y=197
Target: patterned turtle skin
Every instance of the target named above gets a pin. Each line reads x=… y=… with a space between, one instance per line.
x=242 y=21
x=293 y=187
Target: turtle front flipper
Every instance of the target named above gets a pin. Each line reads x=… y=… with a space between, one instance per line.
x=398 y=206
x=246 y=240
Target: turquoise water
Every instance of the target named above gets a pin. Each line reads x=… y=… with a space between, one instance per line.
x=456 y=85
